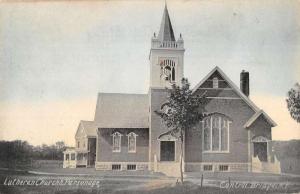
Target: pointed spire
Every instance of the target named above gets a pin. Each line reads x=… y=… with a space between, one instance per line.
x=166 y=31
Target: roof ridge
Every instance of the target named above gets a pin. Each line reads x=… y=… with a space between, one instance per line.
x=85 y=121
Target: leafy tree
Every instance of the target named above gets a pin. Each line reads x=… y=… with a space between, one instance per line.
x=293 y=102
x=181 y=112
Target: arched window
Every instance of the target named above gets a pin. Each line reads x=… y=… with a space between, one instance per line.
x=132 y=142
x=216 y=133
x=116 y=142
x=168 y=71
x=215 y=82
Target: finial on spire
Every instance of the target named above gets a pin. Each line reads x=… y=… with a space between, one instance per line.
x=166 y=31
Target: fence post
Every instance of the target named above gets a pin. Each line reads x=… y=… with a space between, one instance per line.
x=201 y=180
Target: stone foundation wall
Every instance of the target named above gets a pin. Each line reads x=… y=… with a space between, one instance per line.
x=232 y=167
x=108 y=165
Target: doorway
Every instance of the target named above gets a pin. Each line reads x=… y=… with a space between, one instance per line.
x=261 y=151
x=167 y=151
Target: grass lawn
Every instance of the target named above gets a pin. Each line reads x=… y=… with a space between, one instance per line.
x=117 y=184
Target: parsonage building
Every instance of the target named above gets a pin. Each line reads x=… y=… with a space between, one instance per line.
x=126 y=133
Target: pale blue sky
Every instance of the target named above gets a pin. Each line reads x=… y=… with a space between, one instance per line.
x=66 y=51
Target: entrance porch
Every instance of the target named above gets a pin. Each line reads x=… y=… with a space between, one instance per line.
x=263 y=160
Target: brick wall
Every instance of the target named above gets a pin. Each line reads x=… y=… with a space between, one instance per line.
x=105 y=140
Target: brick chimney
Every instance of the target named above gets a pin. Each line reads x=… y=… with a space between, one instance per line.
x=244 y=82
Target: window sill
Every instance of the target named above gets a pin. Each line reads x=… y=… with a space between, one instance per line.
x=132 y=152
x=118 y=151
x=215 y=152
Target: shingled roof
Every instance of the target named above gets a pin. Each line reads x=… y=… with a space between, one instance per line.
x=86 y=128
x=115 y=110
x=89 y=127
x=166 y=30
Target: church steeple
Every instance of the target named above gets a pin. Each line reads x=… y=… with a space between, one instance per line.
x=166 y=55
x=166 y=30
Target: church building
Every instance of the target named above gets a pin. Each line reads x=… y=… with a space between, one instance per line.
x=126 y=133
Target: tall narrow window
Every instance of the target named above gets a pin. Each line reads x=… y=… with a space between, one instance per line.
x=224 y=135
x=117 y=142
x=215 y=82
x=132 y=142
x=216 y=133
x=206 y=133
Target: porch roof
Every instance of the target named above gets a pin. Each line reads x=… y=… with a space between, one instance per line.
x=256 y=116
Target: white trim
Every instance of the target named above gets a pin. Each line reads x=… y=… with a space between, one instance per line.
x=116 y=162
x=229 y=163
x=215 y=152
x=225 y=98
x=249 y=152
x=216 y=88
x=134 y=135
x=220 y=133
x=211 y=133
x=255 y=116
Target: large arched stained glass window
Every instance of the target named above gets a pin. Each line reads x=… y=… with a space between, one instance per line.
x=216 y=133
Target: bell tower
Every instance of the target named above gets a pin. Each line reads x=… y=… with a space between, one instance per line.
x=166 y=55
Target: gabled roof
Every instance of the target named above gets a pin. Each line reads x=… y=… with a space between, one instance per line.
x=116 y=110
x=166 y=30
x=231 y=84
x=256 y=115
x=89 y=128
x=257 y=111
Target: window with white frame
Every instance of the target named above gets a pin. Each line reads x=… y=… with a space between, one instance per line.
x=216 y=133
x=116 y=142
x=215 y=82
x=132 y=142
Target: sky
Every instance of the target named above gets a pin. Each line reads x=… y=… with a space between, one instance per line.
x=56 y=56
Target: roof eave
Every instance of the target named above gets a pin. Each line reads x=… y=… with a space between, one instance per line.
x=256 y=116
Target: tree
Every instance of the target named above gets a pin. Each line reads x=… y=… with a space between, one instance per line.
x=293 y=102
x=181 y=112
x=60 y=145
